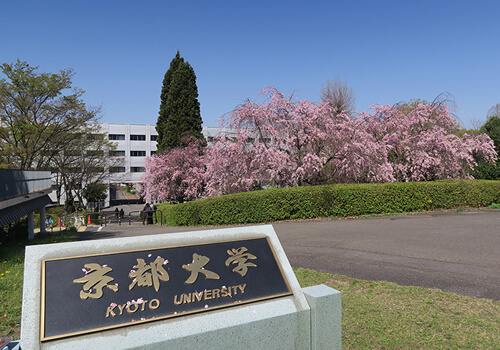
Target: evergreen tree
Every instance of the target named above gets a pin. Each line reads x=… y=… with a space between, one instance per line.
x=179 y=114
x=167 y=81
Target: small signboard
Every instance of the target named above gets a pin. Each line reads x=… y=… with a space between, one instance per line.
x=83 y=294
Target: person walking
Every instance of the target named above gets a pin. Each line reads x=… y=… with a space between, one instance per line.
x=148 y=214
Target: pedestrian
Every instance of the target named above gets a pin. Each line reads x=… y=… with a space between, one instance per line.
x=152 y=206
x=116 y=213
x=148 y=214
x=121 y=213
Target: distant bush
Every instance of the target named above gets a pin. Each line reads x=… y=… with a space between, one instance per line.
x=332 y=201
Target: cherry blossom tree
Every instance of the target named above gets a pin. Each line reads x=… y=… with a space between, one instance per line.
x=423 y=144
x=283 y=142
x=232 y=167
x=177 y=175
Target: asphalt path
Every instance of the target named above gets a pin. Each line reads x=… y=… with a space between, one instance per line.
x=455 y=251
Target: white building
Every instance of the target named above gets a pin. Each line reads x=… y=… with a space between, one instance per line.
x=134 y=143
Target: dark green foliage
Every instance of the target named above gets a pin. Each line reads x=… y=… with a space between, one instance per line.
x=492 y=129
x=17 y=230
x=333 y=201
x=486 y=170
x=163 y=116
x=179 y=114
x=95 y=192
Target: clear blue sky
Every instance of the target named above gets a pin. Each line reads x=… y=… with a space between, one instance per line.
x=387 y=51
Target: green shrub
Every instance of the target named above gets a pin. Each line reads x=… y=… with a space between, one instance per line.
x=332 y=201
x=14 y=231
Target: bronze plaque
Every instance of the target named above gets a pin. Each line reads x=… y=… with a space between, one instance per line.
x=83 y=294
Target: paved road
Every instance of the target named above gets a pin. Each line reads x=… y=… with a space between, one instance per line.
x=456 y=252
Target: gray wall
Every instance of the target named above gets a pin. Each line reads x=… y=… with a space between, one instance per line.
x=14 y=183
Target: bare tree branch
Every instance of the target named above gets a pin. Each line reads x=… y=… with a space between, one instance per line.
x=340 y=95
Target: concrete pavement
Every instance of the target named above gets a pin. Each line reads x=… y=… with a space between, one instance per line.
x=453 y=251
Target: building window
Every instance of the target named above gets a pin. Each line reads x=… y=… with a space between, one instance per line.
x=138 y=153
x=154 y=137
x=137 y=169
x=137 y=137
x=117 y=137
x=117 y=169
x=153 y=153
x=117 y=153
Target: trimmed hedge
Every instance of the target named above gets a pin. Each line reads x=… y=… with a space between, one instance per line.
x=332 y=201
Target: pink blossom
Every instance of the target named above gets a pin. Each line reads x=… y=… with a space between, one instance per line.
x=177 y=175
x=282 y=142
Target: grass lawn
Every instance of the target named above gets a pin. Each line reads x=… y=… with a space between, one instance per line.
x=384 y=315
x=375 y=315
x=11 y=280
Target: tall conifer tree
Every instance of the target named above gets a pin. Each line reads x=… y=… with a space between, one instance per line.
x=179 y=114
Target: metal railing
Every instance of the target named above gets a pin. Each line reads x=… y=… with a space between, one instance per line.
x=145 y=221
x=105 y=218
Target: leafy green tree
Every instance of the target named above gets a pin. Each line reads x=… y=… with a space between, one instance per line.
x=37 y=120
x=179 y=114
x=44 y=124
x=95 y=192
